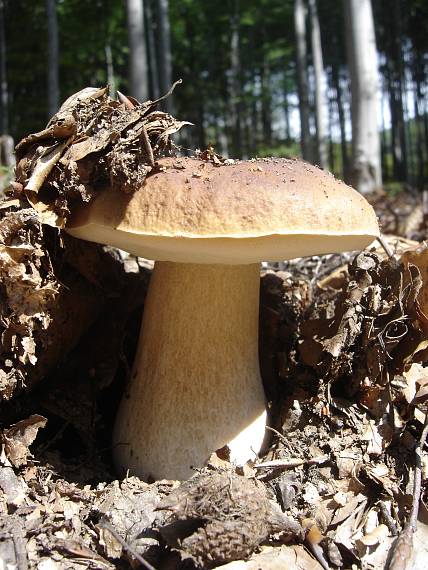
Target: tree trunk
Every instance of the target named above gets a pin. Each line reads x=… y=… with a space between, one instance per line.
x=302 y=78
x=331 y=154
x=287 y=133
x=384 y=143
x=362 y=58
x=164 y=53
x=320 y=98
x=53 y=58
x=255 y=119
x=419 y=170
x=4 y=94
x=153 y=62
x=235 y=83
x=7 y=156
x=341 y=113
x=138 y=73
x=111 y=80
x=221 y=142
x=266 y=100
x=395 y=88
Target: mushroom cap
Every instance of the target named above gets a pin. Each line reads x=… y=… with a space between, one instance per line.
x=193 y=211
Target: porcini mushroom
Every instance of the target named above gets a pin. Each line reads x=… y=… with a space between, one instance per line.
x=196 y=384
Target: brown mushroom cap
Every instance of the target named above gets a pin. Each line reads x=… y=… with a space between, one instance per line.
x=193 y=211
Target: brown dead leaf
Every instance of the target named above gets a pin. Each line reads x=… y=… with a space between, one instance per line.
x=277 y=558
x=419 y=257
x=376 y=536
x=96 y=141
x=20 y=436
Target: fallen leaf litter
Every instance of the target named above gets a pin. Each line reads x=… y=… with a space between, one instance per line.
x=348 y=387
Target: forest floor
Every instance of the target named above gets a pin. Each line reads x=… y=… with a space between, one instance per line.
x=342 y=350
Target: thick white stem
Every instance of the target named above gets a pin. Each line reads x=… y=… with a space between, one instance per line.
x=196 y=384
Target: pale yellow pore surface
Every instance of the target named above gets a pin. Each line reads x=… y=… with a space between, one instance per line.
x=196 y=383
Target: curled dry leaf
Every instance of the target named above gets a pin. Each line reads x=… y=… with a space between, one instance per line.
x=19 y=437
x=278 y=558
x=377 y=326
x=130 y=507
x=92 y=141
x=418 y=256
x=29 y=291
x=376 y=536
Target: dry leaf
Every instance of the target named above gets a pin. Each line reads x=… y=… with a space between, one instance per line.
x=20 y=436
x=293 y=557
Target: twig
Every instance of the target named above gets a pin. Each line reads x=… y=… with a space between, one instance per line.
x=144 y=137
x=413 y=520
x=402 y=553
x=107 y=526
x=387 y=519
x=281 y=437
x=168 y=93
x=385 y=246
x=290 y=463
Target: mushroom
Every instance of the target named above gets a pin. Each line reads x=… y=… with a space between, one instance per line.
x=196 y=385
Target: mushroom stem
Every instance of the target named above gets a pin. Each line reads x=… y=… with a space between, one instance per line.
x=196 y=383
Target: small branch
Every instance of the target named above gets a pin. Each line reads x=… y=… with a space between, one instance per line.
x=144 y=138
x=291 y=463
x=107 y=526
x=168 y=93
x=402 y=552
x=387 y=519
x=385 y=246
x=413 y=520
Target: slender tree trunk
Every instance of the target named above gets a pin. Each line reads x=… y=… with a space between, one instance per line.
x=53 y=58
x=4 y=92
x=138 y=72
x=153 y=63
x=287 y=133
x=111 y=80
x=7 y=156
x=384 y=142
x=425 y=115
x=266 y=100
x=220 y=132
x=419 y=77
x=419 y=137
x=409 y=149
x=320 y=98
x=255 y=118
x=302 y=77
x=362 y=57
x=395 y=75
x=202 y=141
x=235 y=83
x=331 y=157
x=341 y=114
x=164 y=54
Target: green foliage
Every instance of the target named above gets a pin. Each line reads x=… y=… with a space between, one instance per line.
x=201 y=35
x=282 y=150
x=86 y=27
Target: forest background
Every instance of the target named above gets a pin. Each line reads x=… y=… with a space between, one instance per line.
x=260 y=77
